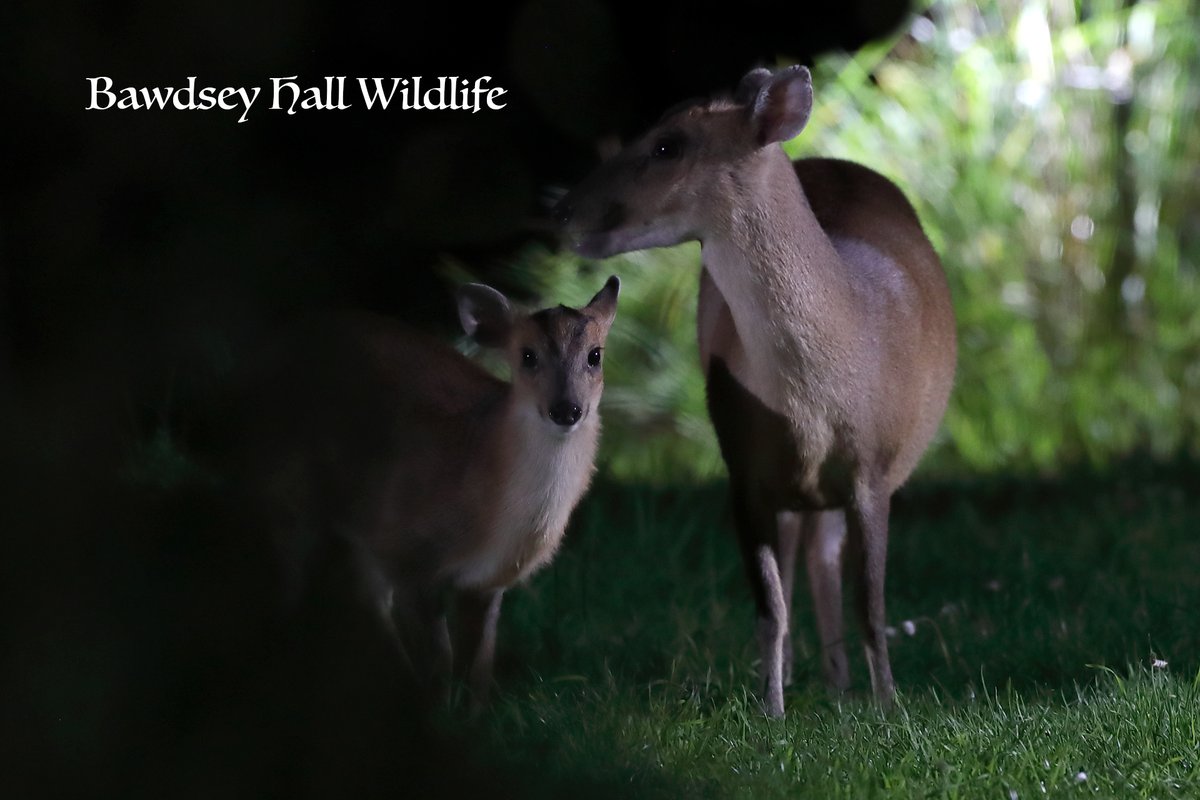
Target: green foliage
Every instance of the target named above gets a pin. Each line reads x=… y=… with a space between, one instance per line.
x=1061 y=642
x=1048 y=153
x=1051 y=152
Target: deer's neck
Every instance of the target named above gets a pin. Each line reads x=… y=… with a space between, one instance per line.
x=782 y=279
x=539 y=475
x=545 y=464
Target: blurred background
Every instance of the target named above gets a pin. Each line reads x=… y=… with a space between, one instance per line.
x=141 y=251
x=1051 y=149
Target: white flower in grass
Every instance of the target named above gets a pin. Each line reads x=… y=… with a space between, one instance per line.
x=909 y=627
x=1081 y=777
x=1158 y=663
x=1012 y=794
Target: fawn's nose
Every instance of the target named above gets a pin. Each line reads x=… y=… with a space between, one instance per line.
x=565 y=413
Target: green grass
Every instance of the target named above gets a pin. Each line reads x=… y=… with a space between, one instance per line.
x=1036 y=608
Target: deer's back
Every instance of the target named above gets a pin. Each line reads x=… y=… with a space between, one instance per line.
x=357 y=426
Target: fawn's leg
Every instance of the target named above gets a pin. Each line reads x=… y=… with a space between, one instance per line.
x=478 y=614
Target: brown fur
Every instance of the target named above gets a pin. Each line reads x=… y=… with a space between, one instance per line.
x=826 y=334
x=441 y=478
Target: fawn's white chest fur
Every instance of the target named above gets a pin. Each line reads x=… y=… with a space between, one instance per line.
x=540 y=478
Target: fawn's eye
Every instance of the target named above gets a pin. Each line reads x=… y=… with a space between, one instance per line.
x=529 y=359
x=669 y=146
x=594 y=357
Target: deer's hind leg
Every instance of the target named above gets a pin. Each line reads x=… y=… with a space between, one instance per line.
x=824 y=534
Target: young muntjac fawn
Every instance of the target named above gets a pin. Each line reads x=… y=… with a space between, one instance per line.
x=437 y=477
x=826 y=335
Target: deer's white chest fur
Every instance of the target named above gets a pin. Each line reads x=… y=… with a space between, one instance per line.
x=785 y=356
x=774 y=311
x=545 y=474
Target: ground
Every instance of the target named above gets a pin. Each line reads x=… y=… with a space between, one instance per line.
x=1045 y=644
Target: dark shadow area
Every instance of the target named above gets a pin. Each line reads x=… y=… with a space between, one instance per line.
x=148 y=242
x=1038 y=584
x=141 y=252
x=148 y=654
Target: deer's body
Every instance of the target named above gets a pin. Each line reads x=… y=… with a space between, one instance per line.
x=443 y=479
x=826 y=335
x=835 y=338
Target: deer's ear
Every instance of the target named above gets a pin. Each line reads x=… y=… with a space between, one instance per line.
x=780 y=108
x=485 y=314
x=604 y=304
x=751 y=82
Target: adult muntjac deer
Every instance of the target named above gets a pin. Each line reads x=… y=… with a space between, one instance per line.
x=438 y=478
x=826 y=335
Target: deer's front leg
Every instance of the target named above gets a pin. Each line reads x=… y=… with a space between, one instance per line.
x=418 y=618
x=867 y=521
x=789 y=534
x=756 y=534
x=478 y=614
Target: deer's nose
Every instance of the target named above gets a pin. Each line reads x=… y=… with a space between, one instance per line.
x=565 y=413
x=613 y=217
x=563 y=212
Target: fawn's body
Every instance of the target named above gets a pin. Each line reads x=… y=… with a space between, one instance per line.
x=443 y=479
x=826 y=335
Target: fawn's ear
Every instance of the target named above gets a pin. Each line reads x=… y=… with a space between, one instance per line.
x=604 y=304
x=485 y=314
x=780 y=107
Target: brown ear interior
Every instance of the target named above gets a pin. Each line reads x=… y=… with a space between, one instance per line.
x=783 y=104
x=485 y=314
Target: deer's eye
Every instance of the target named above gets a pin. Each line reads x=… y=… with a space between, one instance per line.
x=594 y=357
x=529 y=359
x=668 y=147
